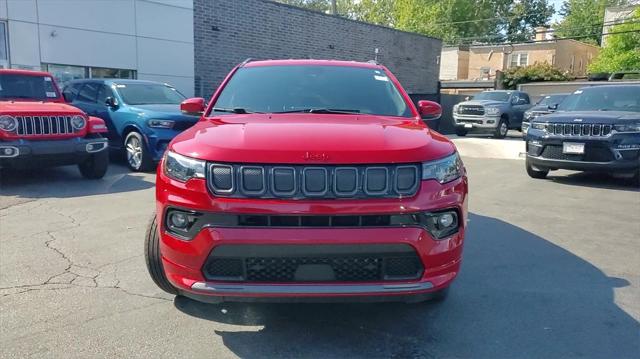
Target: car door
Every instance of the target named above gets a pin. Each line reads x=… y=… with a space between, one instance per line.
x=108 y=113
x=520 y=102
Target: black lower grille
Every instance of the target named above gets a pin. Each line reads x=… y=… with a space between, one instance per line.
x=592 y=154
x=321 y=263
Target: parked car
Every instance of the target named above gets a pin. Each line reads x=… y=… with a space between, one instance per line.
x=142 y=116
x=594 y=129
x=546 y=105
x=309 y=178
x=38 y=129
x=492 y=112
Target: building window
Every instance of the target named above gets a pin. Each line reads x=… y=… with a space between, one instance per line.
x=64 y=73
x=519 y=59
x=4 y=48
x=485 y=73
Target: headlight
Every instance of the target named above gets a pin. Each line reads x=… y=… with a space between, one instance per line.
x=627 y=127
x=8 y=123
x=493 y=111
x=455 y=108
x=160 y=123
x=539 y=126
x=78 y=122
x=182 y=168
x=443 y=170
x=528 y=115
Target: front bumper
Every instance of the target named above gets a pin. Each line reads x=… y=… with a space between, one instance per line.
x=184 y=260
x=470 y=123
x=44 y=153
x=617 y=153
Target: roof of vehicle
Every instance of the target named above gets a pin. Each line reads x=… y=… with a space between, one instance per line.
x=114 y=81
x=556 y=94
x=308 y=62
x=610 y=85
x=507 y=91
x=24 y=72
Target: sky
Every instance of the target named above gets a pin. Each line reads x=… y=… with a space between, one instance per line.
x=557 y=4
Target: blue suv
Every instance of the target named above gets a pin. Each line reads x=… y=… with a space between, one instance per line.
x=142 y=116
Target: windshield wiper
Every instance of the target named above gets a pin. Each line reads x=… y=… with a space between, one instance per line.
x=238 y=110
x=322 y=110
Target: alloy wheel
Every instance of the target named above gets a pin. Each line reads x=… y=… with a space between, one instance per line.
x=134 y=152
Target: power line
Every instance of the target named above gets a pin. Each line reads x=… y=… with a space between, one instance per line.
x=499 y=18
x=554 y=39
x=544 y=32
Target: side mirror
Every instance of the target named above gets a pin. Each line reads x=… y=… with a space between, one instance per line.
x=467 y=98
x=111 y=102
x=193 y=106
x=429 y=110
x=553 y=106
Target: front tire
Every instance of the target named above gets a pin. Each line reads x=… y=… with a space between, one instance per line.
x=95 y=166
x=461 y=132
x=535 y=173
x=502 y=129
x=154 y=259
x=138 y=156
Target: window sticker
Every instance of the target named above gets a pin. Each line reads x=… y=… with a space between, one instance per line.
x=578 y=92
x=121 y=86
x=48 y=79
x=381 y=78
x=51 y=94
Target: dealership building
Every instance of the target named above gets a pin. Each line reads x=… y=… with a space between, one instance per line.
x=192 y=44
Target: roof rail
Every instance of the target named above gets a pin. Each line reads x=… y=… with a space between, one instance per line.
x=245 y=62
x=373 y=62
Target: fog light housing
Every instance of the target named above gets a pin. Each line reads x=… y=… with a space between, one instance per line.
x=181 y=223
x=491 y=121
x=441 y=224
x=9 y=151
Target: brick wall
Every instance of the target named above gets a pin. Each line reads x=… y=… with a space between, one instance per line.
x=226 y=32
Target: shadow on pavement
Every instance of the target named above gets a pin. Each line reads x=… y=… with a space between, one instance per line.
x=594 y=180
x=63 y=182
x=518 y=296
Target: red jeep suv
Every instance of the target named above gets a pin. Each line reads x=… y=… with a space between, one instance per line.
x=38 y=129
x=308 y=179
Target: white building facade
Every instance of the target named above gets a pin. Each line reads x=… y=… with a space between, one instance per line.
x=142 y=39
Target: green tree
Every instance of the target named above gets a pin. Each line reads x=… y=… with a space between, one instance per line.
x=584 y=19
x=317 y=5
x=525 y=16
x=621 y=51
x=533 y=73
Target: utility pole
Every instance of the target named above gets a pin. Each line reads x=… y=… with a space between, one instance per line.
x=334 y=7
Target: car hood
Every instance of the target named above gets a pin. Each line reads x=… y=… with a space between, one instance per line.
x=540 y=108
x=162 y=111
x=483 y=103
x=601 y=117
x=311 y=138
x=21 y=108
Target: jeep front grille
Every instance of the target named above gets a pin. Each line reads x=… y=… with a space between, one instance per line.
x=578 y=129
x=298 y=182
x=44 y=125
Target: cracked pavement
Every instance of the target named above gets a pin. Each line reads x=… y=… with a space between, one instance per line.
x=551 y=269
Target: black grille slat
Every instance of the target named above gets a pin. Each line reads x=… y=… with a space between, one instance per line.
x=300 y=181
x=592 y=154
x=473 y=110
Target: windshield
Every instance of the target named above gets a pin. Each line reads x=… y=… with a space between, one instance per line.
x=334 y=89
x=39 y=88
x=493 y=95
x=551 y=100
x=149 y=94
x=603 y=98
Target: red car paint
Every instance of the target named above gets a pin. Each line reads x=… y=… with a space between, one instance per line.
x=44 y=145
x=308 y=139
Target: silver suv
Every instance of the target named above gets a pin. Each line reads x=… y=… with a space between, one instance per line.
x=493 y=112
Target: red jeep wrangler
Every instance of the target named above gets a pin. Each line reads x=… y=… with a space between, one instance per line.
x=38 y=129
x=308 y=179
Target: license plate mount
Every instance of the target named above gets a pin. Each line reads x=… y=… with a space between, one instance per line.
x=573 y=148
x=468 y=125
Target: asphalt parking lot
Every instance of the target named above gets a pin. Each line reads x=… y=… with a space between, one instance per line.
x=551 y=270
